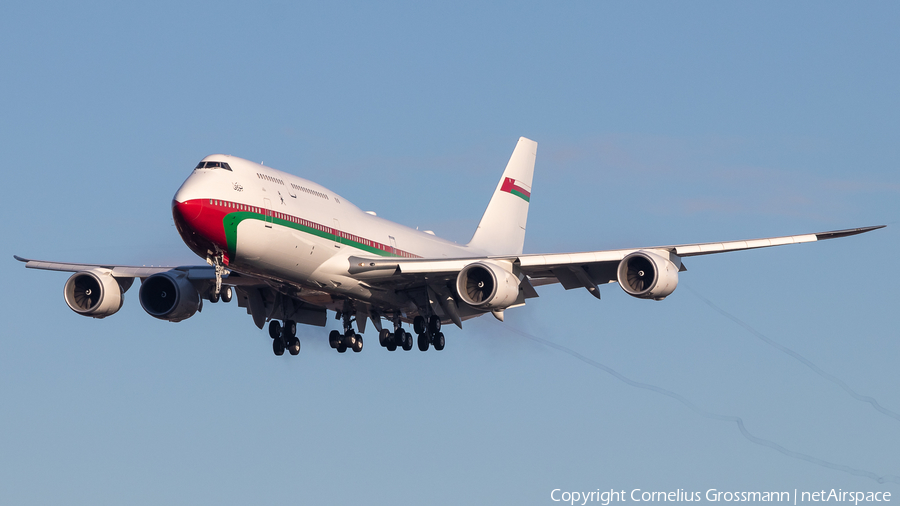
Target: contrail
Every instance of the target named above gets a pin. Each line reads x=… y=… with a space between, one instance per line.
x=702 y=412
x=801 y=358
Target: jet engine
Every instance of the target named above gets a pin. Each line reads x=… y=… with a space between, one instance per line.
x=169 y=296
x=646 y=275
x=488 y=286
x=95 y=293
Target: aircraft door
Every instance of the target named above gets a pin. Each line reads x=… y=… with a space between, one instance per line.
x=268 y=206
x=337 y=233
x=393 y=245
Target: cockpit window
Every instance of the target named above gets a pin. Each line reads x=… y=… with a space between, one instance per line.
x=213 y=165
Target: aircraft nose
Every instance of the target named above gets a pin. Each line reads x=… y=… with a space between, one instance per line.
x=193 y=188
x=199 y=222
x=187 y=201
x=188 y=210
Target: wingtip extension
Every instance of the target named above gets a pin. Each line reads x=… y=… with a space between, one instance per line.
x=834 y=234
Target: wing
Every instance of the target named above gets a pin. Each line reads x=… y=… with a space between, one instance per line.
x=263 y=299
x=120 y=271
x=572 y=270
x=601 y=265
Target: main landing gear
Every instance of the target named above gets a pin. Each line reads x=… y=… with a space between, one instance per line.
x=284 y=337
x=349 y=339
x=429 y=332
x=398 y=337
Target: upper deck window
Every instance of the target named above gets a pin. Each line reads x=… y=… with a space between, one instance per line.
x=213 y=165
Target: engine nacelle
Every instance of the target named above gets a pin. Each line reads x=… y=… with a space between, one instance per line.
x=487 y=286
x=646 y=275
x=94 y=293
x=169 y=296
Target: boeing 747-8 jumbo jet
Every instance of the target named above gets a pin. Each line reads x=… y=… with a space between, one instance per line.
x=290 y=250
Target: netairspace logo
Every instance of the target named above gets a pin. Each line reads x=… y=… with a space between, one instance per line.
x=606 y=497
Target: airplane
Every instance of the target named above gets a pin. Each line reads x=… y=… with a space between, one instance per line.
x=291 y=250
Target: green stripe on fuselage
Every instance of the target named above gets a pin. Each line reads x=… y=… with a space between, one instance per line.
x=232 y=220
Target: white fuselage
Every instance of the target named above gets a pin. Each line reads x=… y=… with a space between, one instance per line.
x=286 y=228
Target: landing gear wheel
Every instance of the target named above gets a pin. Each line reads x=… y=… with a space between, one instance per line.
x=214 y=297
x=341 y=348
x=434 y=325
x=407 y=341
x=275 y=329
x=439 y=341
x=391 y=346
x=423 y=342
x=358 y=344
x=290 y=328
x=294 y=346
x=226 y=294
x=419 y=324
x=384 y=337
x=334 y=338
x=348 y=341
x=278 y=346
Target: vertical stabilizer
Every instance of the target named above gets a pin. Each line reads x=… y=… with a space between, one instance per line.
x=502 y=228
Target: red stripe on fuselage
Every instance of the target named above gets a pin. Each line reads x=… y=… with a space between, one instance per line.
x=205 y=217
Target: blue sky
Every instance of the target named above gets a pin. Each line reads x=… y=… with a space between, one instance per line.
x=657 y=124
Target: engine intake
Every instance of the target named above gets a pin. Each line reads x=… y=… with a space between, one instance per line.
x=169 y=296
x=646 y=275
x=485 y=285
x=95 y=293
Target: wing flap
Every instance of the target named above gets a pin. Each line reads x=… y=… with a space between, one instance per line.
x=567 y=278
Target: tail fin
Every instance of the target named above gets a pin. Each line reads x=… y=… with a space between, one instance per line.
x=502 y=228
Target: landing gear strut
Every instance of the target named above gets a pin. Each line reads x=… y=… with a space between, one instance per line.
x=284 y=337
x=218 y=261
x=349 y=339
x=429 y=332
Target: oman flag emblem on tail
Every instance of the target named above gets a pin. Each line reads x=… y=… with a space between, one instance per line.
x=516 y=188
